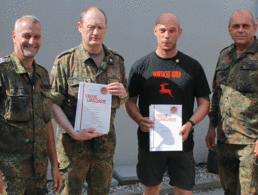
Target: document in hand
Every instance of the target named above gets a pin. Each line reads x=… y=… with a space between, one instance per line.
x=167 y=124
x=93 y=107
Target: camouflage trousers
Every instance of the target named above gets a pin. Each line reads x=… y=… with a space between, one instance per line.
x=237 y=168
x=96 y=171
x=21 y=186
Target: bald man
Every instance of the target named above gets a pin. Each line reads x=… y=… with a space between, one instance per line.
x=234 y=108
x=86 y=155
x=145 y=80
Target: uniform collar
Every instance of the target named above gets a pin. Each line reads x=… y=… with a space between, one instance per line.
x=252 y=49
x=109 y=56
x=19 y=68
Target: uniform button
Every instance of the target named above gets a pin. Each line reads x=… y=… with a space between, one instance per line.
x=27 y=140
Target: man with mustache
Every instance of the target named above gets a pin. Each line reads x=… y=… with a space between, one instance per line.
x=234 y=108
x=86 y=155
x=26 y=135
x=167 y=76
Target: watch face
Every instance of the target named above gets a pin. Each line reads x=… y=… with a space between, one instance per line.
x=125 y=98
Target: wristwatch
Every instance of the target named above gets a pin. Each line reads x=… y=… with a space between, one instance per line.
x=193 y=124
x=125 y=98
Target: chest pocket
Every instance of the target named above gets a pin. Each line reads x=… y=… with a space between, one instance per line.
x=18 y=105
x=73 y=89
x=222 y=73
x=70 y=103
x=114 y=74
x=247 y=79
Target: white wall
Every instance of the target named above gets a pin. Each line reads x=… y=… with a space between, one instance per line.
x=130 y=32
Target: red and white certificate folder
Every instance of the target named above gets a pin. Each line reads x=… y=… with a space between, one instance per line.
x=93 y=107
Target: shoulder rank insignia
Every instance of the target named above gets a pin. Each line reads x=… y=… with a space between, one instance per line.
x=227 y=48
x=115 y=53
x=65 y=52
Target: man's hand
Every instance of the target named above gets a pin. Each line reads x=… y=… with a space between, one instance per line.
x=185 y=130
x=146 y=124
x=57 y=179
x=210 y=138
x=86 y=134
x=1 y=184
x=117 y=89
x=256 y=149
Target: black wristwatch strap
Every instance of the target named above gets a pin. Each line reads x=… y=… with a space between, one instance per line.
x=193 y=124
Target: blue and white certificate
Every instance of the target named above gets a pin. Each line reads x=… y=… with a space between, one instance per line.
x=167 y=125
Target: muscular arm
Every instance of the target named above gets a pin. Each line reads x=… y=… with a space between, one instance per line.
x=51 y=149
x=202 y=110
x=144 y=122
x=203 y=105
x=63 y=122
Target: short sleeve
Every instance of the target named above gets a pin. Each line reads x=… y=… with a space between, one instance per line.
x=202 y=88
x=133 y=82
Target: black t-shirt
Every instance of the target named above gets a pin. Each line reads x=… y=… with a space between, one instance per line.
x=175 y=80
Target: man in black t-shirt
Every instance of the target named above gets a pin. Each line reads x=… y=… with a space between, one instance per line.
x=167 y=76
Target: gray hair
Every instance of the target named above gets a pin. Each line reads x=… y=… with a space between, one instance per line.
x=242 y=10
x=30 y=18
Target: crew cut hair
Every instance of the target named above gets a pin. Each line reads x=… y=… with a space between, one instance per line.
x=31 y=18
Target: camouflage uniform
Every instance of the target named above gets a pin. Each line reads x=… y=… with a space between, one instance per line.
x=234 y=111
x=25 y=111
x=92 y=159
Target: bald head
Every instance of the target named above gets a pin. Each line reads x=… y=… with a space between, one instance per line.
x=242 y=12
x=167 y=18
x=92 y=9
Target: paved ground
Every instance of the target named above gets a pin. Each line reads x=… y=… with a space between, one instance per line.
x=217 y=191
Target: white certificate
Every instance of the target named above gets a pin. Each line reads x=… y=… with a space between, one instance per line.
x=93 y=107
x=167 y=124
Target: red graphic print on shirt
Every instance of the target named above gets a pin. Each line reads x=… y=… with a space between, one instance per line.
x=163 y=90
x=166 y=74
